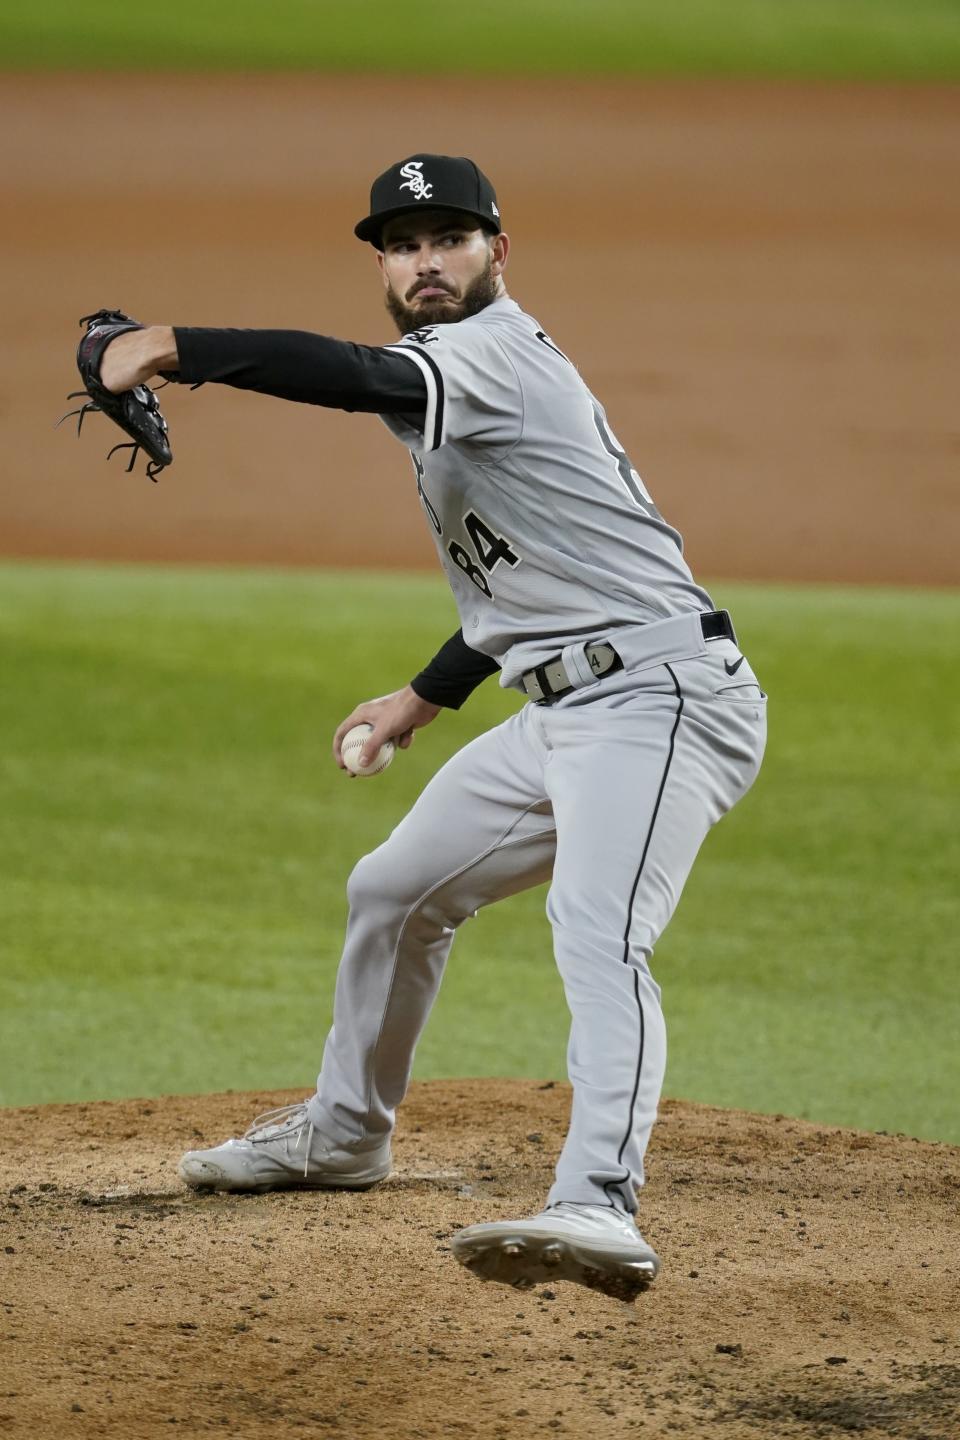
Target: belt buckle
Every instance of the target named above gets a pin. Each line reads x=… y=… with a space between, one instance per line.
x=548 y=696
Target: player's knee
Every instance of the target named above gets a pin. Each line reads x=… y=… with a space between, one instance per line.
x=385 y=877
x=388 y=880
x=366 y=881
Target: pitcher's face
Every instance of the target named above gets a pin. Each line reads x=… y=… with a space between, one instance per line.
x=439 y=267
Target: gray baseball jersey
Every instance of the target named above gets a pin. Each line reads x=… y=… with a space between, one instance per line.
x=545 y=530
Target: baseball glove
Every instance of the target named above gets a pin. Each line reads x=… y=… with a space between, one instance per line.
x=136 y=411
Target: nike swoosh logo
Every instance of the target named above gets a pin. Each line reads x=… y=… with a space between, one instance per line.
x=732 y=669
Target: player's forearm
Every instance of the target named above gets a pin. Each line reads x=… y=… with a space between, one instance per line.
x=136 y=356
x=298 y=365
x=453 y=674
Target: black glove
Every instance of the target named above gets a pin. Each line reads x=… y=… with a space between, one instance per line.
x=136 y=411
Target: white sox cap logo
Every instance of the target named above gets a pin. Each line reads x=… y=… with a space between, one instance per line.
x=413 y=180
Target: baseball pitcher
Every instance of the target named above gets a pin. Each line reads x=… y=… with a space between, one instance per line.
x=644 y=722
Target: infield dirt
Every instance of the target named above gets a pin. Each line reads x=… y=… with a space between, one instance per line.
x=810 y=1283
x=759 y=282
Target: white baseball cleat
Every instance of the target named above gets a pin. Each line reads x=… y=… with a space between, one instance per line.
x=589 y=1244
x=282 y=1150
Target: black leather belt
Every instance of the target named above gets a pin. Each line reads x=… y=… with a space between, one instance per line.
x=549 y=682
x=717 y=625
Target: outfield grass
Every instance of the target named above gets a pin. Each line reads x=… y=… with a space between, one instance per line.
x=876 y=39
x=174 y=842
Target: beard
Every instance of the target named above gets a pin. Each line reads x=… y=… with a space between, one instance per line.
x=477 y=296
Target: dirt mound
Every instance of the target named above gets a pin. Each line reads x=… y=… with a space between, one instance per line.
x=809 y=1284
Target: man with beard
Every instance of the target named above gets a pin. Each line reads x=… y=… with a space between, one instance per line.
x=644 y=722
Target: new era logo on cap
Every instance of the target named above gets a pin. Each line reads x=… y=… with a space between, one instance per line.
x=434 y=182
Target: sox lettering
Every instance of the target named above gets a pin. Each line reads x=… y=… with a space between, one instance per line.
x=413 y=180
x=432 y=514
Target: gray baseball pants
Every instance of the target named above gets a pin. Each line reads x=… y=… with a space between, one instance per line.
x=608 y=794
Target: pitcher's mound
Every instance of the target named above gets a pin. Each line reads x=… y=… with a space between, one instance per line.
x=809 y=1288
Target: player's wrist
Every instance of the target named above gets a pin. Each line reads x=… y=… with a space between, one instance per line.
x=418 y=690
x=160 y=349
x=421 y=711
x=136 y=356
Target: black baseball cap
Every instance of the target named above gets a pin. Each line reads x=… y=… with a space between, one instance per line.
x=429 y=182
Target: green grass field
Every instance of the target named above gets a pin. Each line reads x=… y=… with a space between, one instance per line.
x=174 y=842
x=872 y=39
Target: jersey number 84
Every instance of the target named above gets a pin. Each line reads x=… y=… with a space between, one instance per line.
x=490 y=549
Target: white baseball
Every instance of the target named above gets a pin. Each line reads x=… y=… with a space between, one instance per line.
x=351 y=746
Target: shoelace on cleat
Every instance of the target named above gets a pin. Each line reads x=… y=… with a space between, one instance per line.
x=281 y=1124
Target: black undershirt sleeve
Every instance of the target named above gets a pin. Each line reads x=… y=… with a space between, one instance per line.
x=453 y=674
x=298 y=365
